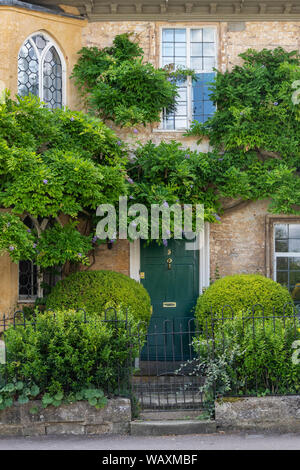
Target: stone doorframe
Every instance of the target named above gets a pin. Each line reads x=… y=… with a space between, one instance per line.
x=204 y=262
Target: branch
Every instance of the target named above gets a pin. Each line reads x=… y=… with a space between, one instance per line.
x=236 y=205
x=59 y=221
x=35 y=223
x=44 y=224
x=269 y=154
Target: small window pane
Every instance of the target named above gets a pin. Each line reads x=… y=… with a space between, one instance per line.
x=196 y=35
x=180 y=62
x=168 y=49
x=182 y=94
x=208 y=63
x=208 y=49
x=282 y=277
x=281 y=231
x=208 y=35
x=282 y=263
x=168 y=34
x=180 y=123
x=169 y=123
x=294 y=277
x=180 y=35
x=180 y=50
x=181 y=109
x=167 y=61
x=294 y=263
x=294 y=245
x=196 y=49
x=281 y=246
x=294 y=230
x=198 y=107
x=197 y=63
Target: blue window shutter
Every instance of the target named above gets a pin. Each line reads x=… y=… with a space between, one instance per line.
x=202 y=106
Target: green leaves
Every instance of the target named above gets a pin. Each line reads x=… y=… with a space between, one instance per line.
x=256 y=128
x=17 y=390
x=60 y=244
x=54 y=164
x=168 y=172
x=94 y=396
x=15 y=238
x=119 y=85
x=62 y=359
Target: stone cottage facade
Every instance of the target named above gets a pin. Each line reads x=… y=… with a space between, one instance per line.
x=244 y=240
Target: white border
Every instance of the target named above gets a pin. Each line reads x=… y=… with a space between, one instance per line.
x=204 y=269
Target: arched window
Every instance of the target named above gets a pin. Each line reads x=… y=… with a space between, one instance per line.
x=41 y=70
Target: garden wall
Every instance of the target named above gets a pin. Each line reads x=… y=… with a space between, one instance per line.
x=274 y=414
x=78 y=418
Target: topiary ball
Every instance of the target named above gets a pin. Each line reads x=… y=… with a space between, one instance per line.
x=242 y=292
x=94 y=291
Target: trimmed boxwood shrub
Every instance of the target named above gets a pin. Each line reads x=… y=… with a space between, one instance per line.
x=242 y=292
x=94 y=291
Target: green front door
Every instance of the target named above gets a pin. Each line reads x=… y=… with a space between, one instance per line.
x=171 y=276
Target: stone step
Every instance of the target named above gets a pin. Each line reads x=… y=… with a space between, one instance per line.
x=170 y=415
x=171 y=427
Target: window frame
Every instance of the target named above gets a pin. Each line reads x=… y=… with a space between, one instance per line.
x=188 y=29
x=41 y=57
x=270 y=254
x=22 y=298
x=283 y=254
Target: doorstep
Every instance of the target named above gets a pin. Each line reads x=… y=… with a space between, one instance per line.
x=172 y=427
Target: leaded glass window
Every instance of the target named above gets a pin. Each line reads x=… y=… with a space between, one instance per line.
x=193 y=48
x=287 y=258
x=40 y=70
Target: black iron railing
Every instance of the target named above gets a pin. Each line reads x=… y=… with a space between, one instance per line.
x=182 y=364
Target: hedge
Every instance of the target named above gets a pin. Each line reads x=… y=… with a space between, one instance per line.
x=94 y=291
x=242 y=292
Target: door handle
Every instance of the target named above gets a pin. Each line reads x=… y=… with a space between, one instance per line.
x=169 y=261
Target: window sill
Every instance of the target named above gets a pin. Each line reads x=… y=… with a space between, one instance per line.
x=172 y=131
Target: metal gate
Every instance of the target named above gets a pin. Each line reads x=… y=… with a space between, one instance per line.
x=164 y=377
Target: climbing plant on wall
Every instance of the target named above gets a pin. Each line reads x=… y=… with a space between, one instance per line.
x=117 y=84
x=255 y=131
x=254 y=140
x=56 y=167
